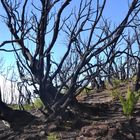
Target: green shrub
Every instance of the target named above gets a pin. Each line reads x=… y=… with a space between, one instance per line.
x=115 y=93
x=86 y=91
x=14 y=106
x=28 y=107
x=116 y=82
x=129 y=102
x=52 y=136
x=134 y=78
x=38 y=103
x=25 y=106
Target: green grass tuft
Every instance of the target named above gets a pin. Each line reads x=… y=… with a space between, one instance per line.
x=52 y=136
x=38 y=103
x=129 y=102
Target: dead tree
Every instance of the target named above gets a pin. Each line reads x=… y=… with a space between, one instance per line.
x=42 y=27
x=137 y=84
x=137 y=35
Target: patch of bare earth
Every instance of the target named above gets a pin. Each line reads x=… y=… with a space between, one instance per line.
x=110 y=123
x=96 y=117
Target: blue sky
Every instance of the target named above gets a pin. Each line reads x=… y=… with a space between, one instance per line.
x=115 y=11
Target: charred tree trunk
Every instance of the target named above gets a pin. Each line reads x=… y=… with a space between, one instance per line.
x=123 y=73
x=137 y=84
x=94 y=83
x=128 y=61
x=49 y=95
x=102 y=84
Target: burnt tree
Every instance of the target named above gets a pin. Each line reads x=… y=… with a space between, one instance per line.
x=43 y=27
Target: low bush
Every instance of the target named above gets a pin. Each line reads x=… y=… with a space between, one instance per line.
x=38 y=103
x=52 y=136
x=115 y=93
x=129 y=102
x=116 y=82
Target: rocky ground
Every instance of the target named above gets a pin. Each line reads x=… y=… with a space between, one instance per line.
x=97 y=117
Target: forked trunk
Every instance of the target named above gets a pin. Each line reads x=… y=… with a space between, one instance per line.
x=48 y=95
x=56 y=103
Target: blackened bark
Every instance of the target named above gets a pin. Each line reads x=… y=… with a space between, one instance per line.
x=94 y=84
x=48 y=94
x=102 y=84
x=137 y=84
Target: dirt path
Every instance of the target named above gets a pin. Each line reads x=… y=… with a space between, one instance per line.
x=110 y=124
x=97 y=117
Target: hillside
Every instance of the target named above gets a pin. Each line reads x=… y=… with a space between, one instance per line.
x=97 y=117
